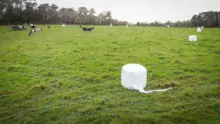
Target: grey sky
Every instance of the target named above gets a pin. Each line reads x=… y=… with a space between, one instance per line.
x=144 y=10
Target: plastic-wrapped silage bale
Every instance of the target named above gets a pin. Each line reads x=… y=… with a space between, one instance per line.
x=134 y=74
x=192 y=38
x=134 y=77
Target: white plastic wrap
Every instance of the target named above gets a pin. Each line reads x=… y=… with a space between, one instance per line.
x=134 y=77
x=63 y=25
x=192 y=38
x=134 y=74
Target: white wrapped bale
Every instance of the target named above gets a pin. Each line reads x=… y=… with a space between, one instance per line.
x=192 y=38
x=63 y=25
x=134 y=77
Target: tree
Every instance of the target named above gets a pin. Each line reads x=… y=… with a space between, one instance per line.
x=109 y=16
x=91 y=16
x=83 y=11
x=194 y=20
x=218 y=19
x=43 y=13
x=101 y=18
x=54 y=13
x=28 y=11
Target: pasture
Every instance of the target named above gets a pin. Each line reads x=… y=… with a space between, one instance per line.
x=65 y=75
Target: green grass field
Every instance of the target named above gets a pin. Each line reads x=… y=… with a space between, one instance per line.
x=65 y=75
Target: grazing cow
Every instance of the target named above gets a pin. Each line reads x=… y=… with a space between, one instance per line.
x=84 y=29
x=88 y=29
x=15 y=27
x=20 y=28
x=91 y=29
x=33 y=26
x=39 y=29
x=23 y=27
x=32 y=32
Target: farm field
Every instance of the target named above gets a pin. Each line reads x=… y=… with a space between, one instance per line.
x=65 y=75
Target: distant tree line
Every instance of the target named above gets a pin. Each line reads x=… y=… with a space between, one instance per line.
x=208 y=19
x=28 y=11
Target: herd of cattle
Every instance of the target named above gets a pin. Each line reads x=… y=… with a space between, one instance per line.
x=34 y=29
x=18 y=27
x=23 y=27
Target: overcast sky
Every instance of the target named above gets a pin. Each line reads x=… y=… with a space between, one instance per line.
x=144 y=10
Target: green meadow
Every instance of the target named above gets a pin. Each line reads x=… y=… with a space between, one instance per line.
x=65 y=75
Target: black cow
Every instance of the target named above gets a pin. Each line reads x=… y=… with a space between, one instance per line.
x=84 y=29
x=14 y=27
x=91 y=29
x=88 y=29
x=33 y=26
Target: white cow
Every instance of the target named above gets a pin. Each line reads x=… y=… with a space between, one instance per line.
x=39 y=29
